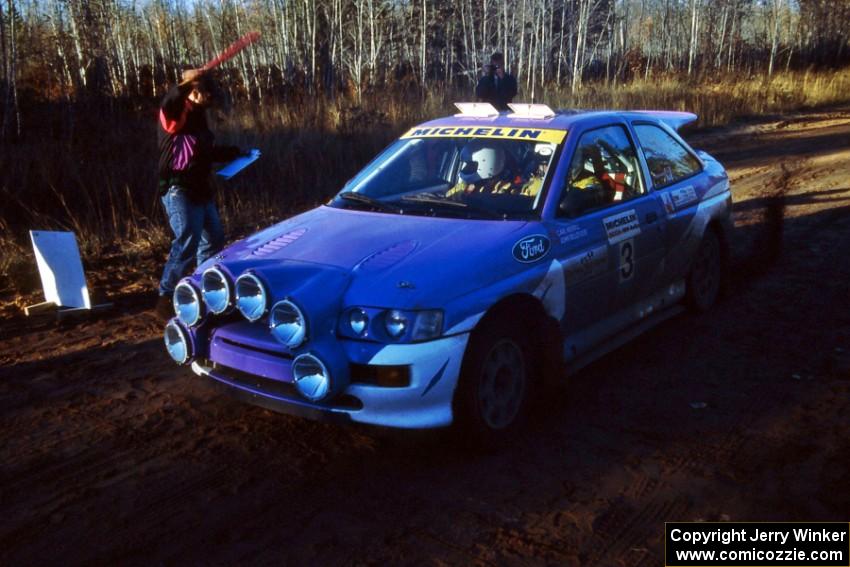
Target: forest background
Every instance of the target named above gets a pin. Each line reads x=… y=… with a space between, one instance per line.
x=331 y=82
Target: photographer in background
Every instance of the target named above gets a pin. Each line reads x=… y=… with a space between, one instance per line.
x=496 y=86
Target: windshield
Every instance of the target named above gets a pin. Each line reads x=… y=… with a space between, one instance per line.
x=451 y=176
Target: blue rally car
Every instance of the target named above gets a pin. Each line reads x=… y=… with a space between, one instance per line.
x=478 y=254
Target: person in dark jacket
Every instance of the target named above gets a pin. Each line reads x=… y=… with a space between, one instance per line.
x=496 y=86
x=186 y=154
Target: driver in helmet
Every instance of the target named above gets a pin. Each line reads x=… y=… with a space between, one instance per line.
x=482 y=169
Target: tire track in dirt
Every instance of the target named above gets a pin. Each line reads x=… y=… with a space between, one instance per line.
x=620 y=535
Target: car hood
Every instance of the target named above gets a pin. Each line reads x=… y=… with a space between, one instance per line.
x=397 y=260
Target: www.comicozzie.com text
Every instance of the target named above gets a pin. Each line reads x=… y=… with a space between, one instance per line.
x=728 y=536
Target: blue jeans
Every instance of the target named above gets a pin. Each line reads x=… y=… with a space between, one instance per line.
x=197 y=235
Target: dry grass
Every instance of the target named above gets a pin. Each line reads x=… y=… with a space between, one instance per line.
x=717 y=102
x=90 y=167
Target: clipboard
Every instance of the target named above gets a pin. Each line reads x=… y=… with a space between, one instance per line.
x=237 y=165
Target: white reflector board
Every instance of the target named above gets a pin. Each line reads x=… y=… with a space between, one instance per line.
x=526 y=110
x=61 y=269
x=476 y=109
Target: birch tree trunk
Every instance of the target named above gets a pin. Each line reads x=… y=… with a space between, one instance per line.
x=11 y=111
x=692 y=49
x=580 y=44
x=776 y=8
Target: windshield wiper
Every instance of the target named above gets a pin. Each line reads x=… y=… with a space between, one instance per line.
x=434 y=200
x=366 y=200
x=430 y=199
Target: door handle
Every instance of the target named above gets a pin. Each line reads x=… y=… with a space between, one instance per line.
x=651 y=218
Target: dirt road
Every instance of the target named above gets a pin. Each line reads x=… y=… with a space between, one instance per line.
x=112 y=455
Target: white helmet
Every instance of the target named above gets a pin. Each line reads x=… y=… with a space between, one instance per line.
x=481 y=161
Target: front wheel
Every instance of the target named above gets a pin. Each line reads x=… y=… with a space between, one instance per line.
x=495 y=383
x=703 y=284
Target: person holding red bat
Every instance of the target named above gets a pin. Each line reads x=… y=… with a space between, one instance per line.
x=187 y=151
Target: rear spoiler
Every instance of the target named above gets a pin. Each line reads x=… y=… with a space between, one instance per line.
x=674 y=120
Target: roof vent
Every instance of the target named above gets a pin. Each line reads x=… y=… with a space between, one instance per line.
x=527 y=110
x=476 y=109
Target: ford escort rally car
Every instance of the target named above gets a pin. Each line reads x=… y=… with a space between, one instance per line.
x=476 y=255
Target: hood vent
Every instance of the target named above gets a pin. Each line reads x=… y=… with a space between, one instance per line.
x=387 y=257
x=279 y=242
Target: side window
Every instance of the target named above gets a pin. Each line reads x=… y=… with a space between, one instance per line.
x=604 y=171
x=667 y=159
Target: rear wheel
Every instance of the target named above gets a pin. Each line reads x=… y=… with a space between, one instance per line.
x=495 y=383
x=703 y=285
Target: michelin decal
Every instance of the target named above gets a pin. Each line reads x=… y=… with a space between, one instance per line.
x=530 y=134
x=621 y=226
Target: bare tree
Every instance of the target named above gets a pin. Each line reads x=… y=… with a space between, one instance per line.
x=367 y=43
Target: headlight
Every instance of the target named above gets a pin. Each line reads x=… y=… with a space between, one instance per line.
x=177 y=343
x=395 y=323
x=287 y=324
x=358 y=320
x=311 y=377
x=187 y=303
x=251 y=297
x=215 y=289
x=428 y=325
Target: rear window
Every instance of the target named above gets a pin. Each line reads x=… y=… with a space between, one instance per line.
x=668 y=160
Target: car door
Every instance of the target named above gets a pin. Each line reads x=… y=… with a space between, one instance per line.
x=608 y=230
x=674 y=175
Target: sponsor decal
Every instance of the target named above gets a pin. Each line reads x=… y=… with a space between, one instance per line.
x=667 y=200
x=621 y=226
x=586 y=265
x=528 y=134
x=627 y=260
x=531 y=248
x=683 y=197
x=571 y=233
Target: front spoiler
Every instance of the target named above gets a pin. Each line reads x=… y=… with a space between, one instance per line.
x=425 y=404
x=266 y=400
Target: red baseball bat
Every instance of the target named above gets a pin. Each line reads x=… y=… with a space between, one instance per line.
x=232 y=50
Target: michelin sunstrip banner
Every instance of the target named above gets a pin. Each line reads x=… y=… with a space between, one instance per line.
x=524 y=134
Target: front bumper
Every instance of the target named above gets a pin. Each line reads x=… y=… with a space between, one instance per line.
x=425 y=403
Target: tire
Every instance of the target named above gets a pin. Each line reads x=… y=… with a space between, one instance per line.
x=495 y=388
x=704 y=279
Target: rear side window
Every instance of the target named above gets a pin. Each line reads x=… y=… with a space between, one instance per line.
x=667 y=158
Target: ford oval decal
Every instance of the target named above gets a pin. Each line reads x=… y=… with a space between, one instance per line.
x=531 y=248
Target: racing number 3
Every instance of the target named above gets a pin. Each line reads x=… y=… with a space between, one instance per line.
x=627 y=260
